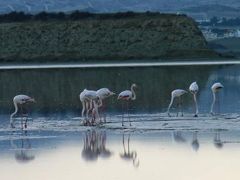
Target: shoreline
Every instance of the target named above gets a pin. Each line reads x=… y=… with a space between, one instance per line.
x=117 y=65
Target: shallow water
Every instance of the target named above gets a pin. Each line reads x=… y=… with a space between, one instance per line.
x=57 y=146
x=109 y=154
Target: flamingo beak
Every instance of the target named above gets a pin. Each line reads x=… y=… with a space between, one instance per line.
x=33 y=100
x=112 y=93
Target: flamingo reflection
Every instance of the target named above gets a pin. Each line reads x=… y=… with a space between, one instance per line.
x=195 y=143
x=217 y=140
x=22 y=149
x=95 y=146
x=127 y=154
x=178 y=137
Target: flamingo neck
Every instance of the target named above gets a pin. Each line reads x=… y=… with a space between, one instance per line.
x=196 y=104
x=213 y=102
x=171 y=102
x=16 y=109
x=15 y=112
x=133 y=93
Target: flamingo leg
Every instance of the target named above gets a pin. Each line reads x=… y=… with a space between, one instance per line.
x=128 y=113
x=87 y=109
x=104 y=109
x=12 y=122
x=25 y=125
x=218 y=103
x=83 y=108
x=178 y=106
x=122 y=113
x=181 y=106
x=90 y=109
x=21 y=109
x=95 y=109
x=196 y=105
x=128 y=144
x=124 y=149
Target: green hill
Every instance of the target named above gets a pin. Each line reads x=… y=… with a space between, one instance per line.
x=108 y=37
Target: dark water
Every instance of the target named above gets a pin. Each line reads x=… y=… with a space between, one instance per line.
x=57 y=90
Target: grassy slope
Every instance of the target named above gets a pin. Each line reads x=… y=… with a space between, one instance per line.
x=229 y=45
x=139 y=37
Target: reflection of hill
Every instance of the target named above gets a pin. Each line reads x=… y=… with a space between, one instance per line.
x=60 y=88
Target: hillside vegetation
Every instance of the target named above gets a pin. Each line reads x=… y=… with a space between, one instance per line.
x=120 y=36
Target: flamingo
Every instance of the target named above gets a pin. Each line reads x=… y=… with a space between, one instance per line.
x=90 y=99
x=193 y=88
x=20 y=100
x=177 y=93
x=128 y=95
x=85 y=102
x=104 y=93
x=215 y=88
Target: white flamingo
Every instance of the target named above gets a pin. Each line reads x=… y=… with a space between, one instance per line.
x=90 y=100
x=128 y=95
x=193 y=88
x=177 y=93
x=215 y=88
x=20 y=100
x=85 y=102
x=104 y=93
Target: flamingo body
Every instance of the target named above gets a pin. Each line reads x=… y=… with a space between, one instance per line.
x=193 y=88
x=90 y=94
x=126 y=95
x=104 y=93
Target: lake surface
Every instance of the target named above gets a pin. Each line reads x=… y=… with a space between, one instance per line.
x=56 y=146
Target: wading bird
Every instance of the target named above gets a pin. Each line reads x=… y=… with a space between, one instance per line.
x=90 y=100
x=127 y=95
x=85 y=102
x=103 y=93
x=177 y=93
x=193 y=88
x=215 y=88
x=19 y=101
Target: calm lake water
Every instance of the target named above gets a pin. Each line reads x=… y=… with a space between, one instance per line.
x=56 y=146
